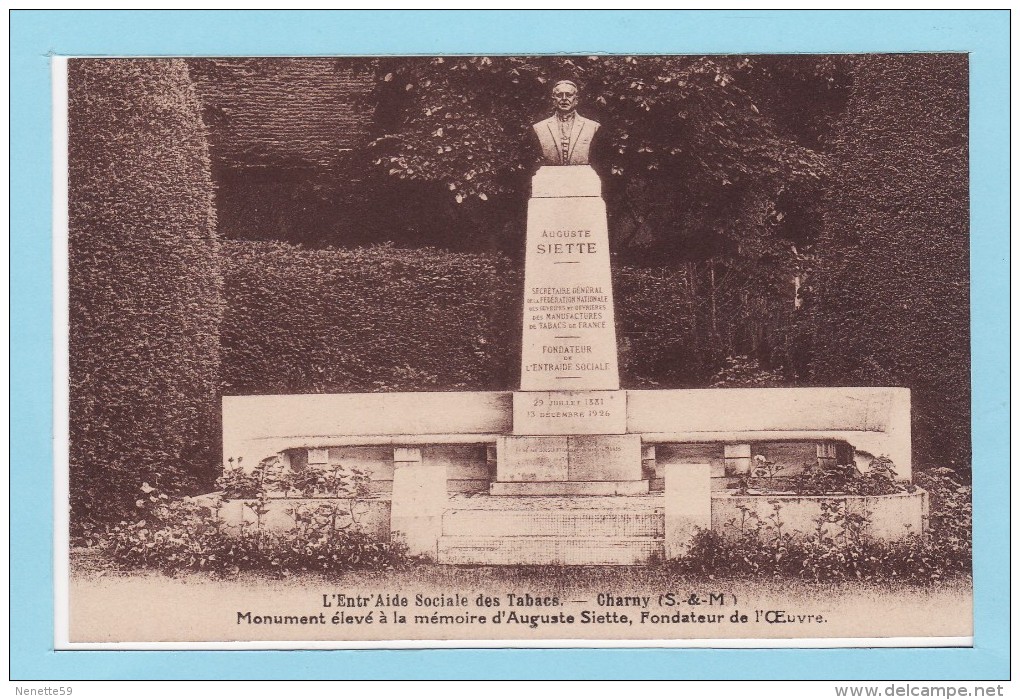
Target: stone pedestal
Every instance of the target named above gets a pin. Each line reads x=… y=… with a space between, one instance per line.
x=737 y=458
x=570 y=416
x=568 y=458
x=568 y=488
x=569 y=339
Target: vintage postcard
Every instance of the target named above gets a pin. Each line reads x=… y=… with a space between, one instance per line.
x=515 y=350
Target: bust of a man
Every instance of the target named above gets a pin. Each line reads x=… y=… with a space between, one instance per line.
x=566 y=136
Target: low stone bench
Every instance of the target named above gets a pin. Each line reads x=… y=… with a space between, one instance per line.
x=420 y=447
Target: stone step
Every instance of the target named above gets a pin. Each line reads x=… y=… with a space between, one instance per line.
x=570 y=523
x=544 y=550
x=568 y=488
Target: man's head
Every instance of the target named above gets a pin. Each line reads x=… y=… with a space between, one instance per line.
x=564 y=97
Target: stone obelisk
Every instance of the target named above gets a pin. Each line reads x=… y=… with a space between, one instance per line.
x=569 y=335
x=570 y=416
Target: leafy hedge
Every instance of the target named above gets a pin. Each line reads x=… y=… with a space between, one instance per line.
x=371 y=319
x=890 y=302
x=392 y=319
x=145 y=285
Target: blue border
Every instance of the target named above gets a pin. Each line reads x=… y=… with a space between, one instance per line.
x=34 y=34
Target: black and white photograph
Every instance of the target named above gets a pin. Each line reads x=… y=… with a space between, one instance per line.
x=518 y=351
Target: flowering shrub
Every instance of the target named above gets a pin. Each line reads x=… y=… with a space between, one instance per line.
x=167 y=533
x=879 y=479
x=235 y=482
x=343 y=489
x=176 y=534
x=838 y=549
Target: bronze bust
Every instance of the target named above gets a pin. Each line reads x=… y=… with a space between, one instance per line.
x=566 y=136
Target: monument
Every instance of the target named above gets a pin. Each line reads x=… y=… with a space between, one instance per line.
x=570 y=468
x=569 y=418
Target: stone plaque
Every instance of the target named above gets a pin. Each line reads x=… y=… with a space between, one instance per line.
x=568 y=458
x=570 y=412
x=520 y=458
x=604 y=458
x=569 y=336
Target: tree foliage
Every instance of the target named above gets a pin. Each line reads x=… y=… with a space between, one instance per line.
x=145 y=286
x=713 y=165
x=702 y=157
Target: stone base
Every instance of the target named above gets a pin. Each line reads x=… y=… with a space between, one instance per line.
x=568 y=488
x=875 y=420
x=569 y=551
x=568 y=458
x=606 y=519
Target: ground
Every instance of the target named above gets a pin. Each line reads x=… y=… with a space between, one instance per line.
x=535 y=603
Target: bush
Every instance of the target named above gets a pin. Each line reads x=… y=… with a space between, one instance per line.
x=745 y=372
x=170 y=534
x=145 y=286
x=839 y=549
x=393 y=319
x=952 y=517
x=817 y=479
x=174 y=534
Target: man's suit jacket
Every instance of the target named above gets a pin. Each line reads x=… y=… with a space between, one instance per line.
x=581 y=135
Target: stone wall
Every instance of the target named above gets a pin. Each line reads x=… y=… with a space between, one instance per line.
x=890 y=517
x=679 y=452
x=467 y=469
x=372 y=516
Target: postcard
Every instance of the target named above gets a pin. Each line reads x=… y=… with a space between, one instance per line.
x=516 y=350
